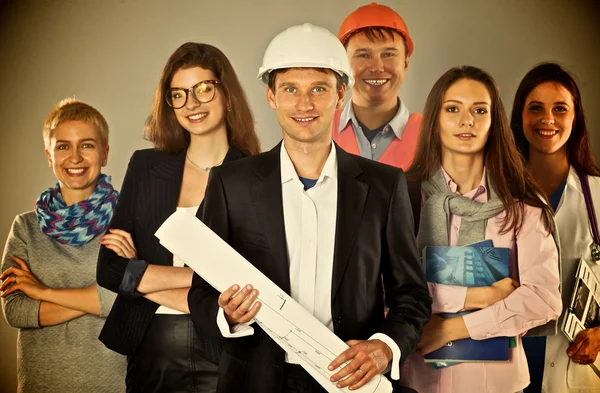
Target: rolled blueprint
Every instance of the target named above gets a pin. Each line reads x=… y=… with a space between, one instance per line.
x=281 y=317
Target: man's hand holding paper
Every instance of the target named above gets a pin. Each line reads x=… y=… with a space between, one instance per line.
x=238 y=304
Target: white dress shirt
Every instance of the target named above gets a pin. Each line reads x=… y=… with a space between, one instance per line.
x=309 y=219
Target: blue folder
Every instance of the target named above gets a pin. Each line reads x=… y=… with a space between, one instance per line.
x=470 y=266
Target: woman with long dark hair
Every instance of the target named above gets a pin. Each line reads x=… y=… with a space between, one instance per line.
x=474 y=188
x=549 y=126
x=200 y=119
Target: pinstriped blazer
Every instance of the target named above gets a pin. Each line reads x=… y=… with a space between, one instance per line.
x=148 y=197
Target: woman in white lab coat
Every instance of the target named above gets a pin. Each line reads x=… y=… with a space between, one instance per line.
x=549 y=125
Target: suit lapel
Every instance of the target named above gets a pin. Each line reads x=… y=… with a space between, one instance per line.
x=169 y=171
x=166 y=177
x=267 y=199
x=233 y=154
x=168 y=174
x=352 y=197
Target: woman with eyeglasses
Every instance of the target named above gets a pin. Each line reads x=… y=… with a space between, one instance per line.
x=548 y=122
x=199 y=119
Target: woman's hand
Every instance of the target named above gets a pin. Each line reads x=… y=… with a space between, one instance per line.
x=120 y=242
x=585 y=347
x=22 y=280
x=501 y=289
x=84 y=300
x=440 y=331
x=482 y=297
x=434 y=336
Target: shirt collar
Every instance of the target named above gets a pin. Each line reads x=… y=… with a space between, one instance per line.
x=573 y=180
x=397 y=124
x=479 y=193
x=288 y=172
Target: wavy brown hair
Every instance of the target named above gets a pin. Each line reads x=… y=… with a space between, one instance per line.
x=504 y=165
x=579 y=152
x=162 y=127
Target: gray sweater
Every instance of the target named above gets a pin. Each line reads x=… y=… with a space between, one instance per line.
x=67 y=357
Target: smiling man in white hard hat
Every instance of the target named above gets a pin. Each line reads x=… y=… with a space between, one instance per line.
x=323 y=225
x=376 y=124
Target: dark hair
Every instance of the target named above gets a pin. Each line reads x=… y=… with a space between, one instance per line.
x=375 y=34
x=579 y=152
x=162 y=127
x=504 y=165
x=273 y=76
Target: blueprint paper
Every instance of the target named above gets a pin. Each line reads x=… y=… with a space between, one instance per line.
x=281 y=317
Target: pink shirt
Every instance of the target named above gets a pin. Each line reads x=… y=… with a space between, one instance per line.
x=534 y=260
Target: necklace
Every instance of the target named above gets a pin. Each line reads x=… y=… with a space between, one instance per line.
x=204 y=169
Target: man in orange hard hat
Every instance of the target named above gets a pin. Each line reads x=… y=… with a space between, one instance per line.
x=376 y=124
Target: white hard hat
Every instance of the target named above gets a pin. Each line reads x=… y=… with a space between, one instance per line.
x=306 y=46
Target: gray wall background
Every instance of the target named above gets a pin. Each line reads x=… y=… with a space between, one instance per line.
x=110 y=53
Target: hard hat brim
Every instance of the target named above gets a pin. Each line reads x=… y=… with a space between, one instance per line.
x=263 y=74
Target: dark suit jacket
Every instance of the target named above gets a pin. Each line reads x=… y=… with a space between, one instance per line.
x=374 y=238
x=148 y=197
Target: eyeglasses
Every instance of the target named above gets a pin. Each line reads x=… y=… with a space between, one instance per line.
x=203 y=91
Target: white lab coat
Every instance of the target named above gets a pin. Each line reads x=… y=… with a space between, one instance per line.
x=561 y=375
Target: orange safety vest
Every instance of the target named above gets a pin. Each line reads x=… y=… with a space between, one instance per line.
x=399 y=153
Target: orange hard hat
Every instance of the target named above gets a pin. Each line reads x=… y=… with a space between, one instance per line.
x=375 y=15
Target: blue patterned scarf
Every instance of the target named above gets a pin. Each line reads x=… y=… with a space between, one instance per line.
x=79 y=223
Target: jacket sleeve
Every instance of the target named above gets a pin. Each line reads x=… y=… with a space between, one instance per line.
x=202 y=297
x=406 y=290
x=111 y=267
x=537 y=300
x=20 y=310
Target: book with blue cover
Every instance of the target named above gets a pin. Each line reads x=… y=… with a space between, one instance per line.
x=469 y=266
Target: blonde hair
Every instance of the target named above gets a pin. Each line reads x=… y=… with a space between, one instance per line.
x=71 y=109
